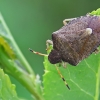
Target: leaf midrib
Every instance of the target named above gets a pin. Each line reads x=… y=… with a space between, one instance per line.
x=96 y=97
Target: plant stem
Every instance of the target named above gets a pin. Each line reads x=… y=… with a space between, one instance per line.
x=17 y=50
x=18 y=67
x=23 y=77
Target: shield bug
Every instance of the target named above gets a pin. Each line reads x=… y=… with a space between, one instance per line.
x=75 y=41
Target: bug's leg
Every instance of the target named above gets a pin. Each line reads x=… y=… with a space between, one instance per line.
x=48 y=42
x=97 y=51
x=41 y=54
x=62 y=77
x=64 y=64
x=67 y=20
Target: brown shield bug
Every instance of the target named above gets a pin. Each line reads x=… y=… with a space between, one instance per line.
x=75 y=41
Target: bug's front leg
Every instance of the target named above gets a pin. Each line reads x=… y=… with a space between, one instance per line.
x=67 y=20
x=64 y=64
x=48 y=43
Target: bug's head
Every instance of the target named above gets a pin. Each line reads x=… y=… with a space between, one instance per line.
x=54 y=57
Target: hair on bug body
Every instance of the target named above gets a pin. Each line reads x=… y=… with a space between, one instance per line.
x=75 y=41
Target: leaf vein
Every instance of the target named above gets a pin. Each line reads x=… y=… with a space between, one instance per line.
x=89 y=66
x=81 y=88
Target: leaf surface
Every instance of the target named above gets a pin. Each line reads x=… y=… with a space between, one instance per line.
x=82 y=79
x=7 y=90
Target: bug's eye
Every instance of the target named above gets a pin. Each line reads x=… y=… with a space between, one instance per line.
x=54 y=57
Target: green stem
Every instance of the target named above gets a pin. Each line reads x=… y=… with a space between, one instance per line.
x=18 y=52
x=23 y=77
x=97 y=84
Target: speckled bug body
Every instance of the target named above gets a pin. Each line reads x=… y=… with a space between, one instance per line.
x=76 y=40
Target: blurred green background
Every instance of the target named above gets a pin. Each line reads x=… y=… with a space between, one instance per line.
x=32 y=22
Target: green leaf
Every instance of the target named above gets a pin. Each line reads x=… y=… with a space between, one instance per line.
x=83 y=80
x=7 y=47
x=7 y=90
x=97 y=12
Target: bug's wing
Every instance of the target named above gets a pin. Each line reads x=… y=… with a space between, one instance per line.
x=88 y=44
x=81 y=47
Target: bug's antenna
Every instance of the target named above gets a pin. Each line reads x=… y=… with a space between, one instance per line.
x=62 y=77
x=41 y=54
x=55 y=66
